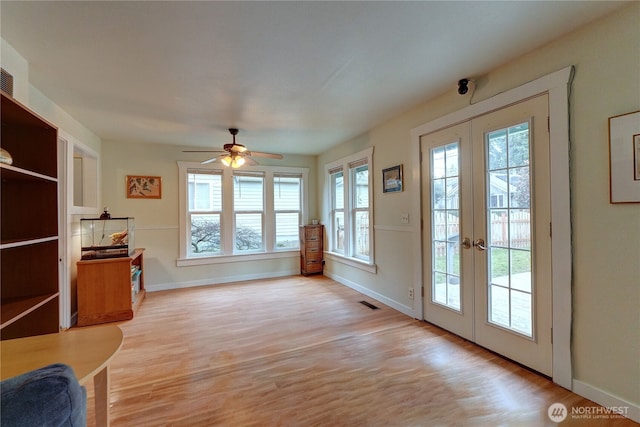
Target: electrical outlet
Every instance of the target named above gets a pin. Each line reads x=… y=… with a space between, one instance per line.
x=410 y=293
x=404 y=218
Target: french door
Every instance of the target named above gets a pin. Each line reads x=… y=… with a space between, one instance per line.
x=487 y=248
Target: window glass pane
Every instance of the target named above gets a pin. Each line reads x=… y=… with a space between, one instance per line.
x=499 y=306
x=518 y=138
x=519 y=188
x=361 y=180
x=338 y=229
x=521 y=312
x=437 y=163
x=248 y=193
x=286 y=193
x=452 y=159
x=438 y=194
x=205 y=234
x=497 y=149
x=287 y=224
x=204 y=192
x=452 y=193
x=440 y=288
x=519 y=229
x=362 y=234
x=338 y=190
x=248 y=232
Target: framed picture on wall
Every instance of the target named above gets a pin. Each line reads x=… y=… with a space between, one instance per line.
x=144 y=187
x=636 y=156
x=624 y=158
x=392 y=179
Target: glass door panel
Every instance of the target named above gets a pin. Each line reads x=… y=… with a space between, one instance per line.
x=445 y=214
x=511 y=211
x=509 y=228
x=448 y=280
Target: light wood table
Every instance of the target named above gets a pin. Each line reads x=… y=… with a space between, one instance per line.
x=88 y=351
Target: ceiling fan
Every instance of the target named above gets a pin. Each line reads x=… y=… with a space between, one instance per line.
x=234 y=155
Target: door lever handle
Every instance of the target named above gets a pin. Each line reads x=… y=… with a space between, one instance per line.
x=480 y=245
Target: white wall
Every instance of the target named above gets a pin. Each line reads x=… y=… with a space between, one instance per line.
x=606 y=253
x=157 y=220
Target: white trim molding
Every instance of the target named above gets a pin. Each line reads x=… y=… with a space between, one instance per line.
x=368 y=292
x=557 y=86
x=352 y=262
x=609 y=401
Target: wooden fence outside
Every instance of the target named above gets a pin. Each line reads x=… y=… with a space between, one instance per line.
x=515 y=235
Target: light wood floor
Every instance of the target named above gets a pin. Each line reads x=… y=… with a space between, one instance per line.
x=304 y=352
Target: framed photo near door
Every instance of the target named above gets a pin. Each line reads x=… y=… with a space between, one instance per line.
x=392 y=179
x=624 y=158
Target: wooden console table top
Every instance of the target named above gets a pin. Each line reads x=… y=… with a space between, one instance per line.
x=88 y=351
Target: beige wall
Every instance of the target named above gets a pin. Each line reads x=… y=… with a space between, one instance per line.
x=157 y=220
x=606 y=249
x=606 y=263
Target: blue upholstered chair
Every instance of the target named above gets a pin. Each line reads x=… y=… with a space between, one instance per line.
x=49 y=396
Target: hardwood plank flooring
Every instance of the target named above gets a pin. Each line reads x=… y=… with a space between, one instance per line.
x=302 y=351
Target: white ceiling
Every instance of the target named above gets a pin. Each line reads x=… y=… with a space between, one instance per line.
x=295 y=77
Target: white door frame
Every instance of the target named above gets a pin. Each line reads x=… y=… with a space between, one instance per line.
x=557 y=85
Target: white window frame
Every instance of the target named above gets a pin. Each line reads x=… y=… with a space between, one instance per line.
x=347 y=164
x=261 y=212
x=269 y=251
x=209 y=210
x=283 y=211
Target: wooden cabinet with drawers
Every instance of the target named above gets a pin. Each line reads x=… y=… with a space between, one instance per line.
x=311 y=250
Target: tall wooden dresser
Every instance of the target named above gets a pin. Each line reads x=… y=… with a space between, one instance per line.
x=311 y=249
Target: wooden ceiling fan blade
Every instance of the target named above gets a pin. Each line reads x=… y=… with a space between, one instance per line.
x=261 y=154
x=213 y=159
x=249 y=161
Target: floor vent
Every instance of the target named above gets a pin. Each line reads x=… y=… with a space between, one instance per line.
x=368 y=304
x=6 y=82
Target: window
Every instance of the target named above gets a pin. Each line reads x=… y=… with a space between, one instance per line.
x=350 y=229
x=253 y=213
x=287 y=207
x=248 y=211
x=205 y=212
x=337 y=211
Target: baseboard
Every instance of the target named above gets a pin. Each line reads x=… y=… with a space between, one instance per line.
x=368 y=292
x=607 y=400
x=218 y=280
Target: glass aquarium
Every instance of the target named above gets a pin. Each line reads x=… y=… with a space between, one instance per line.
x=107 y=238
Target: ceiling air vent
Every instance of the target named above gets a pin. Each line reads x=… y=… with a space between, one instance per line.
x=6 y=82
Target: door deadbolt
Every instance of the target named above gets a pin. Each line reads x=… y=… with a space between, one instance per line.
x=466 y=243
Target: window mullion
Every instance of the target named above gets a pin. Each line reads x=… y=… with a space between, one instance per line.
x=268 y=215
x=346 y=176
x=227 y=222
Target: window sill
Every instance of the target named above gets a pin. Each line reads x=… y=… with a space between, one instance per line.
x=352 y=262
x=223 y=259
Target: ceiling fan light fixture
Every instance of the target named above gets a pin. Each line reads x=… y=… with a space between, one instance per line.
x=226 y=160
x=237 y=162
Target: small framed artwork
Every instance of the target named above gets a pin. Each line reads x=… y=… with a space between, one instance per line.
x=636 y=156
x=392 y=179
x=144 y=187
x=624 y=158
